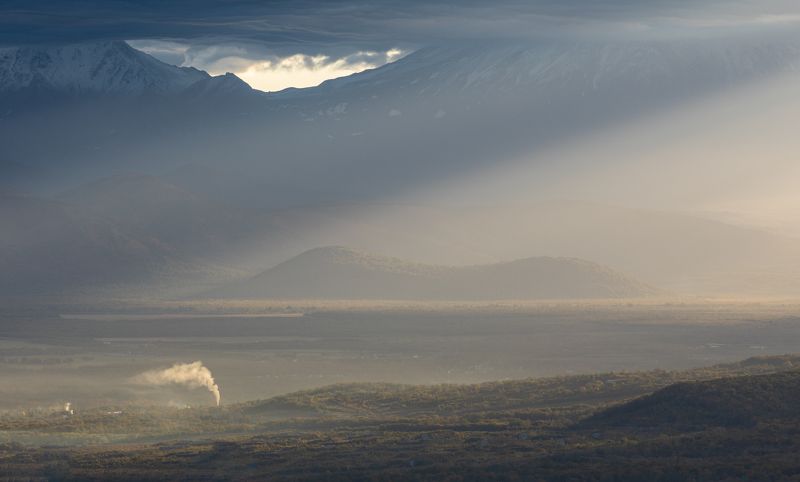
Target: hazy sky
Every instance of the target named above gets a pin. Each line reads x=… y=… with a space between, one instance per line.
x=278 y=43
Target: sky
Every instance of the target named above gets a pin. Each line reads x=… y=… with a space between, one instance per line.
x=280 y=43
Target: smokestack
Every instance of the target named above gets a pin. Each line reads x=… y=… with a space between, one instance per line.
x=192 y=375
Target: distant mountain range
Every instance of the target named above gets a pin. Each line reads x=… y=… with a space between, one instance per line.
x=127 y=232
x=417 y=120
x=233 y=180
x=341 y=273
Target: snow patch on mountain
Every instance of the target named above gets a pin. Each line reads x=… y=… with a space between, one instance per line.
x=98 y=68
x=575 y=67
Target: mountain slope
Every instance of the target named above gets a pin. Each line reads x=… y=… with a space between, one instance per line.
x=727 y=402
x=149 y=207
x=91 y=68
x=194 y=223
x=436 y=112
x=673 y=251
x=227 y=86
x=336 y=272
x=46 y=246
x=430 y=117
x=147 y=236
x=574 y=69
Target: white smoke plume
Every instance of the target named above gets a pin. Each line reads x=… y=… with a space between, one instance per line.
x=192 y=375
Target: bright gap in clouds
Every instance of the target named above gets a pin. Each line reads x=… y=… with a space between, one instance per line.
x=307 y=71
x=262 y=69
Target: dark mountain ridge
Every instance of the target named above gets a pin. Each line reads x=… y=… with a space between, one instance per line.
x=193 y=222
x=337 y=272
x=740 y=401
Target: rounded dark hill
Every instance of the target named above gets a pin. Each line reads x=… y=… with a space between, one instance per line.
x=340 y=273
x=727 y=402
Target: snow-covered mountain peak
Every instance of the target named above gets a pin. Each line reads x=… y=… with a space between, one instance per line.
x=100 y=67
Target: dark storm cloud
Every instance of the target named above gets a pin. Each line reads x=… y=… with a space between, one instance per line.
x=232 y=35
x=305 y=25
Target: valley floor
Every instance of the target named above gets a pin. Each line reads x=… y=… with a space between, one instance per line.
x=86 y=353
x=574 y=391
x=566 y=428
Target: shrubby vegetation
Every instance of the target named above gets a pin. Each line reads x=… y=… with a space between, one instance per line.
x=412 y=400
x=728 y=402
x=728 y=422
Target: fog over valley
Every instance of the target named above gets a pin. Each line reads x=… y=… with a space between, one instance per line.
x=399 y=240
